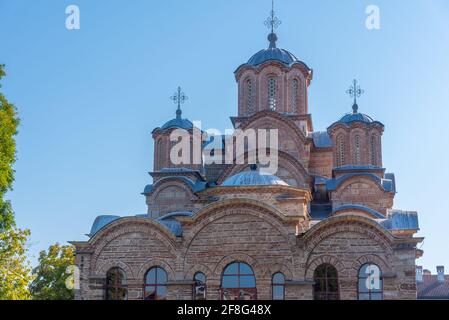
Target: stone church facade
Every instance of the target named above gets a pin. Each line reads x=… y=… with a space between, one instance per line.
x=322 y=227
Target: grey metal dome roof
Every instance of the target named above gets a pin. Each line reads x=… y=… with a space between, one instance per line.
x=178 y=123
x=253 y=178
x=276 y=54
x=356 y=117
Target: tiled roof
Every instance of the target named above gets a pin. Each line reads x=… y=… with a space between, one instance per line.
x=321 y=139
x=431 y=288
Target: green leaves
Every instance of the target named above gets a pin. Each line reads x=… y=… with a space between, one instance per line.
x=50 y=276
x=15 y=271
x=9 y=121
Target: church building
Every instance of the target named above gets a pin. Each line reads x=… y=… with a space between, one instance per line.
x=322 y=227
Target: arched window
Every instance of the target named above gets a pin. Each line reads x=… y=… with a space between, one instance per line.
x=370 y=285
x=357 y=156
x=295 y=95
x=278 y=286
x=116 y=288
x=272 y=93
x=160 y=154
x=199 y=289
x=238 y=282
x=373 y=149
x=326 y=283
x=249 y=97
x=341 y=151
x=155 y=284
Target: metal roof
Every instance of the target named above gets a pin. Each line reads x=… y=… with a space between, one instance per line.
x=253 y=178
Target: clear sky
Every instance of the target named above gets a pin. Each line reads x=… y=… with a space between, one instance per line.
x=90 y=98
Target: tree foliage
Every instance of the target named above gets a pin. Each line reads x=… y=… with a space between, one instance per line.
x=9 y=121
x=50 y=275
x=15 y=272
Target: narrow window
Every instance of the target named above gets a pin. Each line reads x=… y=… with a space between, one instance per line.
x=370 y=285
x=373 y=150
x=155 y=284
x=341 y=151
x=249 y=97
x=326 y=283
x=272 y=93
x=357 y=149
x=295 y=88
x=116 y=288
x=278 y=286
x=199 y=290
x=160 y=154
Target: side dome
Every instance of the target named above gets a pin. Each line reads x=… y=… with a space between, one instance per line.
x=281 y=55
x=253 y=178
x=178 y=123
x=356 y=117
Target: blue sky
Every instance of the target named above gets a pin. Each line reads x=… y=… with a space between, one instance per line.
x=90 y=98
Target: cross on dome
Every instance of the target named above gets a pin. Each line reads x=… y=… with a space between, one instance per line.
x=355 y=92
x=272 y=23
x=179 y=98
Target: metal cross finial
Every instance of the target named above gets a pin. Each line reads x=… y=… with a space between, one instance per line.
x=179 y=98
x=355 y=92
x=272 y=21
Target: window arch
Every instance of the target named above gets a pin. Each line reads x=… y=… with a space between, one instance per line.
x=340 y=151
x=116 y=287
x=373 y=149
x=326 y=283
x=278 y=286
x=249 y=97
x=199 y=288
x=155 y=284
x=238 y=282
x=295 y=95
x=370 y=284
x=272 y=93
x=357 y=151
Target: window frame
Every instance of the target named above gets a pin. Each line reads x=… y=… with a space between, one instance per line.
x=326 y=292
x=273 y=285
x=370 y=293
x=156 y=285
x=195 y=285
x=119 y=283
x=239 y=274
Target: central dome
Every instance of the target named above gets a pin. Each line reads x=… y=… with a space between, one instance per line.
x=253 y=178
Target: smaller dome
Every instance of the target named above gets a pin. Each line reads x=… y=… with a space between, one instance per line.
x=276 y=54
x=253 y=178
x=356 y=117
x=178 y=123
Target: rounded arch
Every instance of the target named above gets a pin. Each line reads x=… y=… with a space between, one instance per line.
x=237 y=257
x=125 y=226
x=181 y=182
x=347 y=223
x=350 y=178
x=272 y=269
x=384 y=265
x=358 y=210
x=103 y=269
x=285 y=161
x=194 y=269
x=312 y=265
x=152 y=263
x=223 y=208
